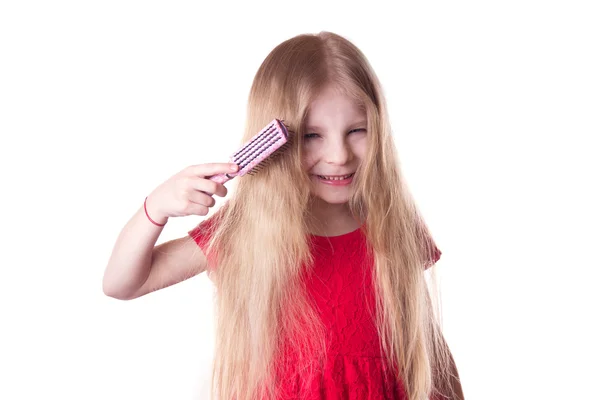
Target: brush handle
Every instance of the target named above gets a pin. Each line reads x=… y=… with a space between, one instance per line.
x=221 y=178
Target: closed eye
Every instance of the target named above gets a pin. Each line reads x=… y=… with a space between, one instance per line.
x=357 y=130
x=311 y=135
x=315 y=135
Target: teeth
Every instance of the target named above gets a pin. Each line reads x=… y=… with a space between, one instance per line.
x=335 y=178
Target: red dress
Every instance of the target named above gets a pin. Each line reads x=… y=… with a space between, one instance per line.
x=341 y=287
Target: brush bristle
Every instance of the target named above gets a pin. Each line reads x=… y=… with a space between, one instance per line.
x=261 y=149
x=268 y=161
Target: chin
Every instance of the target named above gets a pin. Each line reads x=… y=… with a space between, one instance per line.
x=330 y=198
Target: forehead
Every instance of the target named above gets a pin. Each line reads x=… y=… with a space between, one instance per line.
x=333 y=108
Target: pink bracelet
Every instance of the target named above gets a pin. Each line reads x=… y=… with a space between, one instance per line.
x=151 y=220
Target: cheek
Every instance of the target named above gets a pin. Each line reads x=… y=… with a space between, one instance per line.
x=359 y=148
x=309 y=159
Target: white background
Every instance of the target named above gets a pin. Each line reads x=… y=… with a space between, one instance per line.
x=495 y=108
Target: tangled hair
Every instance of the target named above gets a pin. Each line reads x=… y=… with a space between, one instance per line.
x=260 y=245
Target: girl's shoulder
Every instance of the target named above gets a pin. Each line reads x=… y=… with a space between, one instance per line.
x=202 y=232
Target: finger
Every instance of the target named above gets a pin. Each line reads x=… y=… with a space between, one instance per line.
x=210 y=187
x=196 y=209
x=221 y=190
x=210 y=169
x=202 y=198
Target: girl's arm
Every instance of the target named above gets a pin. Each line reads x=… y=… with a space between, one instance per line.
x=137 y=266
x=456 y=384
x=452 y=390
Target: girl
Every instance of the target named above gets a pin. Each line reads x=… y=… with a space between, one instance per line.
x=318 y=259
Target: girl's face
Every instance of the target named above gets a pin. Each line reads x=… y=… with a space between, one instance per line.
x=334 y=145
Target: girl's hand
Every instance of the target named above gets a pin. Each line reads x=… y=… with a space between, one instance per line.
x=188 y=192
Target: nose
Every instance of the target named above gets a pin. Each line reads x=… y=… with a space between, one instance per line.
x=337 y=152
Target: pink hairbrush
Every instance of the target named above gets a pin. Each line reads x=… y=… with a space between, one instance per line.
x=254 y=154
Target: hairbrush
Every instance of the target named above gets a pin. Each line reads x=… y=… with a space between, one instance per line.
x=258 y=151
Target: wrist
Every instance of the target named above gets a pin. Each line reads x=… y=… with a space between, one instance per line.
x=153 y=215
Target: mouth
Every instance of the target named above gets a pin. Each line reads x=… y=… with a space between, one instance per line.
x=335 y=177
x=335 y=180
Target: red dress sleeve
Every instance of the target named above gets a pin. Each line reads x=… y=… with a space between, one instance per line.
x=201 y=234
x=431 y=251
x=434 y=255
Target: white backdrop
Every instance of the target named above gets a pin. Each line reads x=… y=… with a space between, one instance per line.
x=495 y=108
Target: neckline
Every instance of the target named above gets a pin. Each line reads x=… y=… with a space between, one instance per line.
x=336 y=237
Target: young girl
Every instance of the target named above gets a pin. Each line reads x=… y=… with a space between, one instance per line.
x=319 y=259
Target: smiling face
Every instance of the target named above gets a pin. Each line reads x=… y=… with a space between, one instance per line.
x=334 y=144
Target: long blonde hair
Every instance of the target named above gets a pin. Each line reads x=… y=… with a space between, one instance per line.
x=259 y=247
